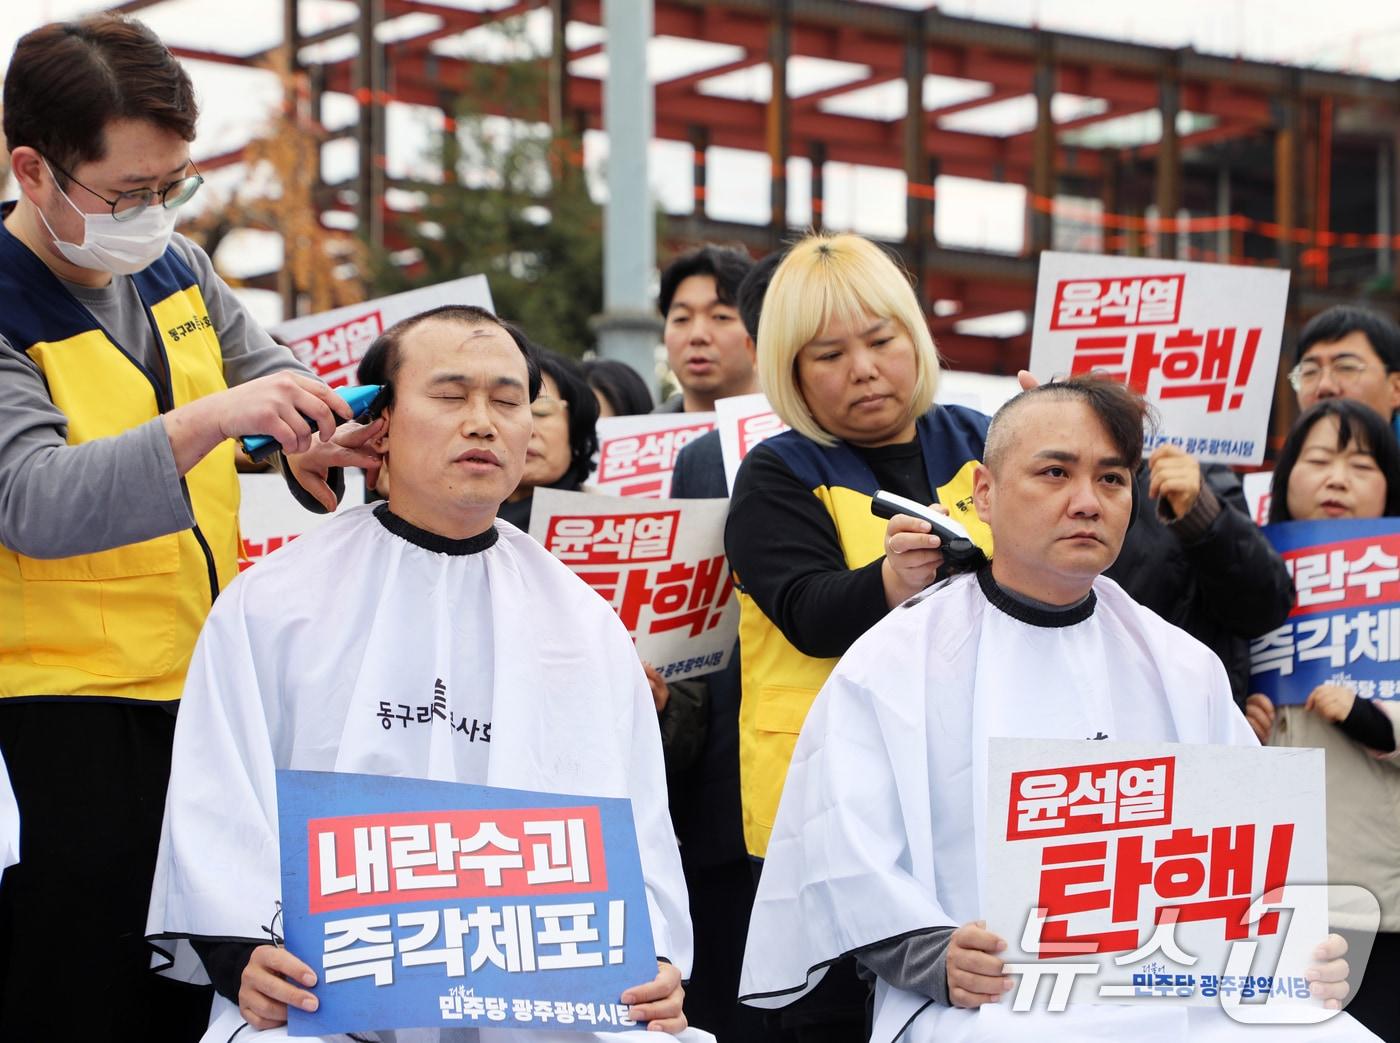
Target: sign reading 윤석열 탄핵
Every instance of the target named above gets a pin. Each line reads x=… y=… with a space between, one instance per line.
x=659 y=563
x=1168 y=873
x=433 y=904
x=1200 y=341
x=636 y=454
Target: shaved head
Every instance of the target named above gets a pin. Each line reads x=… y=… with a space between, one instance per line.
x=1122 y=411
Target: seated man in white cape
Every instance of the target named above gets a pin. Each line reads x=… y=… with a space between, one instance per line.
x=425 y=594
x=877 y=847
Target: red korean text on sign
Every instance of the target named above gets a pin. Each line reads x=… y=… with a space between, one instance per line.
x=1345 y=574
x=641 y=465
x=679 y=594
x=1214 y=365
x=359 y=861
x=1144 y=300
x=754 y=429
x=1090 y=798
x=335 y=353
x=628 y=559
x=255 y=549
x=613 y=539
x=1195 y=876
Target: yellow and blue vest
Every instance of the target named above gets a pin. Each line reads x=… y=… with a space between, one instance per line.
x=779 y=682
x=118 y=623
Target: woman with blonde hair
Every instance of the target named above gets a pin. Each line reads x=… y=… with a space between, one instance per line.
x=847 y=361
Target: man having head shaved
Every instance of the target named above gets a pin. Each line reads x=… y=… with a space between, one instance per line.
x=423 y=598
x=876 y=846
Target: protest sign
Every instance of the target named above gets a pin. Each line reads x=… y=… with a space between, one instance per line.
x=660 y=564
x=636 y=454
x=1256 y=494
x=743 y=422
x=1138 y=869
x=1201 y=341
x=434 y=904
x=1345 y=625
x=268 y=516
x=333 y=342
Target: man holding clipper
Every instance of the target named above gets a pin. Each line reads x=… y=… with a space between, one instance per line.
x=126 y=366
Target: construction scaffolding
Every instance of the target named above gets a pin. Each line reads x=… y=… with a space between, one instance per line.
x=1121 y=148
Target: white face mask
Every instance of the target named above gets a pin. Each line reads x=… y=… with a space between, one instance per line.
x=118 y=247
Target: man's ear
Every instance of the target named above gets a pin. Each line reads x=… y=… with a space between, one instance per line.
x=380 y=442
x=27 y=167
x=1393 y=379
x=982 y=491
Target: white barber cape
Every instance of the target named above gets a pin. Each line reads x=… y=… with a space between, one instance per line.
x=290 y=671
x=880 y=829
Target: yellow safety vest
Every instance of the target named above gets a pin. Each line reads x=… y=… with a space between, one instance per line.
x=118 y=623
x=779 y=682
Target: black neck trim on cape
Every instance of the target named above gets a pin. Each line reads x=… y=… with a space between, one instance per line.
x=432 y=541
x=1028 y=614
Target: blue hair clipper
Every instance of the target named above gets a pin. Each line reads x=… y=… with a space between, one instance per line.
x=360 y=398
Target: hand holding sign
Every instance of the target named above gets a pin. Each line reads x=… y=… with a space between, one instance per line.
x=1259 y=712
x=267 y=987
x=1175 y=476
x=658 y=1002
x=974 y=970
x=1329 y=977
x=1331 y=702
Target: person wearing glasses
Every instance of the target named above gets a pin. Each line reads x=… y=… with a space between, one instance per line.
x=1349 y=352
x=126 y=368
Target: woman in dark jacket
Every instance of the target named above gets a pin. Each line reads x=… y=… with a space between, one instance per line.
x=1194 y=556
x=560 y=455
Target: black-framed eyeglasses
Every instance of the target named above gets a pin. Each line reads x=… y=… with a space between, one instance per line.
x=128 y=205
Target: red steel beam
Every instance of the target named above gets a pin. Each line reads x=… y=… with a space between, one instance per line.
x=811 y=99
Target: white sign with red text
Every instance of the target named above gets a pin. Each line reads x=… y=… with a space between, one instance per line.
x=1200 y=341
x=636 y=454
x=1147 y=863
x=1256 y=494
x=659 y=563
x=268 y=516
x=743 y=422
x=333 y=342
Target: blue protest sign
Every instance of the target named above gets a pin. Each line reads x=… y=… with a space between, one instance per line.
x=434 y=904
x=1345 y=626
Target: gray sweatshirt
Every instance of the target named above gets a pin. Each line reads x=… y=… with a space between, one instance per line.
x=58 y=500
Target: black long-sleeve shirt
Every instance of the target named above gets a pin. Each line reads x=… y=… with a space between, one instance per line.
x=784 y=548
x=1212 y=572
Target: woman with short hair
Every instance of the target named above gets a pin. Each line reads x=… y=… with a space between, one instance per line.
x=847 y=361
